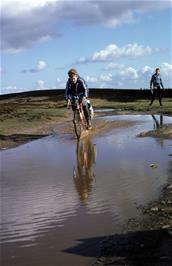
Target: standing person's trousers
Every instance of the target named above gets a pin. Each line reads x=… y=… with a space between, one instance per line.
x=156 y=93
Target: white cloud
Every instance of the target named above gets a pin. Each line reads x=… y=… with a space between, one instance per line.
x=12 y=89
x=166 y=72
x=125 y=18
x=106 y=77
x=41 y=65
x=123 y=77
x=166 y=69
x=91 y=79
x=129 y=77
x=113 y=51
x=60 y=84
x=25 y=23
x=24 y=5
x=8 y=89
x=40 y=85
x=147 y=69
x=129 y=73
x=112 y=66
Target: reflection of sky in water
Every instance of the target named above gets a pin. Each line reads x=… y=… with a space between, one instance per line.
x=128 y=164
x=39 y=192
x=103 y=110
x=36 y=187
x=145 y=118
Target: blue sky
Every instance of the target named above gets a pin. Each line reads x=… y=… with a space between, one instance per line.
x=112 y=44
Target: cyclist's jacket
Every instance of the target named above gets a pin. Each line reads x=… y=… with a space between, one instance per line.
x=78 y=89
x=156 y=81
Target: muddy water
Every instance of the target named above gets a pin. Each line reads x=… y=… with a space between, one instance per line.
x=60 y=198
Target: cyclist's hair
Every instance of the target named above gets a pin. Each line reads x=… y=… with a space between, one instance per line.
x=157 y=69
x=72 y=72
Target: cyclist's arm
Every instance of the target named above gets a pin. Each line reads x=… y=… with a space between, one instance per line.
x=85 y=88
x=67 y=94
x=161 y=84
x=151 y=81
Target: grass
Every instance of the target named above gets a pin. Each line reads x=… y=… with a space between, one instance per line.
x=28 y=119
x=18 y=114
x=135 y=106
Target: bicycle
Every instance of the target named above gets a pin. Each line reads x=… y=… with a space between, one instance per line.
x=79 y=119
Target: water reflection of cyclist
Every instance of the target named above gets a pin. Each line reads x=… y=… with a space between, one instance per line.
x=83 y=173
x=76 y=86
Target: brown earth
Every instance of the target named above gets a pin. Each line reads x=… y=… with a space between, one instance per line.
x=164 y=132
x=63 y=126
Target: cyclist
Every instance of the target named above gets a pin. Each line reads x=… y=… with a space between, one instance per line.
x=76 y=86
x=156 y=81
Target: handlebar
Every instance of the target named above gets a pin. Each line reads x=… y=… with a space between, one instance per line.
x=76 y=98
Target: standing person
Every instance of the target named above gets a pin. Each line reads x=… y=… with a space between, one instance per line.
x=76 y=86
x=156 y=81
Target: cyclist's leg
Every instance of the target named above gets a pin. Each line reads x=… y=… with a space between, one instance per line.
x=86 y=110
x=159 y=95
x=153 y=96
x=87 y=114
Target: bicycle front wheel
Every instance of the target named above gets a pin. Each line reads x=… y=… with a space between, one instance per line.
x=78 y=127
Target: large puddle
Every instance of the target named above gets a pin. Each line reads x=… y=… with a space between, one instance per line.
x=60 y=198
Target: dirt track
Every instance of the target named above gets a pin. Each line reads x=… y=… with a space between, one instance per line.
x=62 y=127
x=147 y=242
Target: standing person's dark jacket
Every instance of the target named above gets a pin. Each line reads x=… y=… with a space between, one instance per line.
x=78 y=89
x=156 y=81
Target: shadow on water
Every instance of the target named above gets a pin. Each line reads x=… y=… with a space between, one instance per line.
x=141 y=248
x=83 y=173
